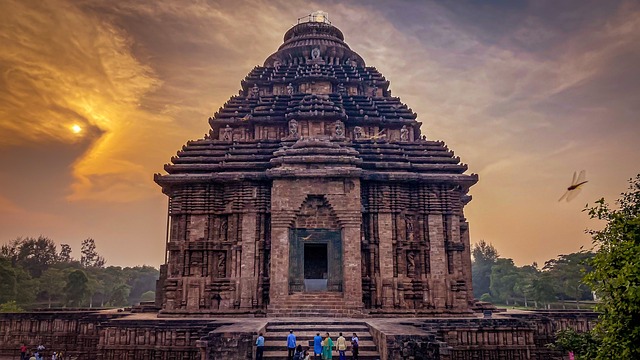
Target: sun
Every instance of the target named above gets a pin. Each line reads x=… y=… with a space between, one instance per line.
x=76 y=128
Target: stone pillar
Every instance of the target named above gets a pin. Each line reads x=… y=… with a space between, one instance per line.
x=385 y=234
x=438 y=255
x=352 y=260
x=279 y=270
x=248 y=270
x=466 y=259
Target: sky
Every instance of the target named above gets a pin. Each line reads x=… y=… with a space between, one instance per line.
x=525 y=92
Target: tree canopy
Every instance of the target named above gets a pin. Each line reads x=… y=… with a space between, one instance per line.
x=616 y=275
x=34 y=275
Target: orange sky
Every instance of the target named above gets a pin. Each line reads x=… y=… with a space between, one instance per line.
x=525 y=92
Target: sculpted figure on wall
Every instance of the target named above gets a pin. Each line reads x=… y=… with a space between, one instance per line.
x=255 y=91
x=289 y=89
x=221 y=265
x=227 y=133
x=358 y=132
x=339 y=129
x=404 y=133
x=293 y=128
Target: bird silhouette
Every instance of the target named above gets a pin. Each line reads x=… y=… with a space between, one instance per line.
x=307 y=237
x=576 y=186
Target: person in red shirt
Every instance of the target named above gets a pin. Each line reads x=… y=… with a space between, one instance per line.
x=23 y=352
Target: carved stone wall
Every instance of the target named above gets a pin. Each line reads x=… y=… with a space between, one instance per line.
x=218 y=250
x=414 y=248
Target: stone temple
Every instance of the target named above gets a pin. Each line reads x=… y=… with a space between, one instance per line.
x=315 y=180
x=315 y=204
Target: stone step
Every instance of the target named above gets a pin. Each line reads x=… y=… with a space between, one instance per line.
x=320 y=326
x=279 y=345
x=363 y=355
x=319 y=321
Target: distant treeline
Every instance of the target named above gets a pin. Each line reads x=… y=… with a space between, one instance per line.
x=500 y=281
x=34 y=274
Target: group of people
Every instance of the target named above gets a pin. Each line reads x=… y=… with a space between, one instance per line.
x=38 y=353
x=322 y=347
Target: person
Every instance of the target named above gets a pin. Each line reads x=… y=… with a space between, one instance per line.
x=327 y=348
x=298 y=355
x=54 y=356
x=306 y=355
x=291 y=345
x=23 y=352
x=259 y=347
x=355 y=343
x=317 y=346
x=341 y=344
x=33 y=356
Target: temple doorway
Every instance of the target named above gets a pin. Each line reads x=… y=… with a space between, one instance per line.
x=316 y=267
x=315 y=260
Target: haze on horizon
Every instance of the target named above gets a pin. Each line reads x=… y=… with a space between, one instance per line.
x=95 y=96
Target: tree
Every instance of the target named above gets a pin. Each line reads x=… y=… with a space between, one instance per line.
x=504 y=275
x=120 y=296
x=33 y=255
x=484 y=257
x=583 y=345
x=567 y=273
x=51 y=285
x=8 y=282
x=77 y=288
x=90 y=257
x=616 y=275
x=65 y=253
x=10 y=307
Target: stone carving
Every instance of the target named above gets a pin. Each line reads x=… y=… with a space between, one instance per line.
x=315 y=53
x=358 y=133
x=409 y=223
x=293 y=128
x=255 y=91
x=221 y=265
x=411 y=264
x=227 y=133
x=404 y=133
x=224 y=225
x=289 y=89
x=374 y=91
x=339 y=129
x=341 y=89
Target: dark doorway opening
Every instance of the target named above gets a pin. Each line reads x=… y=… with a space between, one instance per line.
x=315 y=267
x=315 y=261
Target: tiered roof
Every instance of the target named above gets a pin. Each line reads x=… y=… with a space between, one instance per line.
x=355 y=95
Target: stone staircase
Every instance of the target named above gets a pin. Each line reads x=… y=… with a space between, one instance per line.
x=318 y=304
x=304 y=330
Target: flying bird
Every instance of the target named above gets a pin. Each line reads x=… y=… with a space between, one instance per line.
x=576 y=186
x=307 y=237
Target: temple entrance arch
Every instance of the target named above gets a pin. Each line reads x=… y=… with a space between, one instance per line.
x=315 y=260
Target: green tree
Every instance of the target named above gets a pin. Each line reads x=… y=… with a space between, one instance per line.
x=77 y=288
x=541 y=289
x=33 y=255
x=504 y=276
x=616 y=275
x=65 y=253
x=120 y=296
x=484 y=257
x=90 y=256
x=583 y=345
x=10 y=307
x=8 y=281
x=51 y=285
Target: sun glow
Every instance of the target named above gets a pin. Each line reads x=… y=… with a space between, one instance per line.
x=75 y=128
